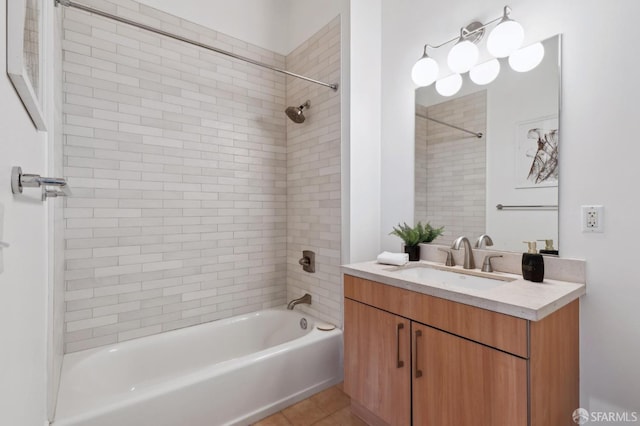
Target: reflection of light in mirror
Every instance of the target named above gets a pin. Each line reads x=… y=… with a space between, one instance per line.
x=449 y=86
x=506 y=38
x=485 y=73
x=462 y=57
x=425 y=71
x=527 y=58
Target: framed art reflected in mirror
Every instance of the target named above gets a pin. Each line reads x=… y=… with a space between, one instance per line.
x=537 y=152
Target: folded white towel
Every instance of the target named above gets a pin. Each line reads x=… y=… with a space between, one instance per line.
x=397 y=259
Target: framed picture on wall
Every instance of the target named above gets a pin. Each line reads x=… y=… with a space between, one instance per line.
x=24 y=55
x=537 y=152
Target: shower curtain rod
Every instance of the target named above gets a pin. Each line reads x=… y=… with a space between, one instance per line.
x=69 y=3
x=476 y=134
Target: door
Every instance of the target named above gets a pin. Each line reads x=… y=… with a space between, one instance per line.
x=377 y=362
x=457 y=382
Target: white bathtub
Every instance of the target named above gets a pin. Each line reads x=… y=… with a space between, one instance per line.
x=229 y=372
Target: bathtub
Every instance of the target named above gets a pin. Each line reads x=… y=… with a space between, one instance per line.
x=229 y=372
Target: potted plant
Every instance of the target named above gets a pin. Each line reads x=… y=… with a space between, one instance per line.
x=413 y=236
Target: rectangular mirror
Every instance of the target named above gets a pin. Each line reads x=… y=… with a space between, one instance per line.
x=486 y=157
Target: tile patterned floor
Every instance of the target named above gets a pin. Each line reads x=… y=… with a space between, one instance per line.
x=327 y=408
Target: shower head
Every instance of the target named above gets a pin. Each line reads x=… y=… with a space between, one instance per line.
x=295 y=113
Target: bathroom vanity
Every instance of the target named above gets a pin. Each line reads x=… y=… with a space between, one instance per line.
x=426 y=350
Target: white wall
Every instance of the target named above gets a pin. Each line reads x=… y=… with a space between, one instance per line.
x=598 y=161
x=23 y=284
x=263 y=23
x=277 y=25
x=397 y=148
x=306 y=17
x=365 y=141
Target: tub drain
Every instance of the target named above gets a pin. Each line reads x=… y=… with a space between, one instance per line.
x=303 y=323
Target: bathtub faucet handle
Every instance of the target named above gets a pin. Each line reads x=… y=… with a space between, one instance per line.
x=308 y=261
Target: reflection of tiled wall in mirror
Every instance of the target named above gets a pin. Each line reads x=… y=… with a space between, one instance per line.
x=450 y=169
x=31 y=43
x=421 y=164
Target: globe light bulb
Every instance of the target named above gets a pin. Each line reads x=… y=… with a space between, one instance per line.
x=462 y=56
x=425 y=71
x=527 y=58
x=450 y=85
x=485 y=73
x=505 y=38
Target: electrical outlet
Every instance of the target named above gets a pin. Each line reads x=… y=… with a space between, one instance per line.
x=592 y=218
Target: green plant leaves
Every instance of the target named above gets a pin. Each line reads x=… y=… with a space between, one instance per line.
x=412 y=236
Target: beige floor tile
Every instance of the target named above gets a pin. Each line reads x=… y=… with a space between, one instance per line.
x=329 y=408
x=304 y=413
x=277 y=419
x=331 y=400
x=341 y=418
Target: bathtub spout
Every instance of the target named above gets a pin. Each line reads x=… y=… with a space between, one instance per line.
x=304 y=299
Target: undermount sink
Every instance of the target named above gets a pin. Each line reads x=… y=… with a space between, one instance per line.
x=433 y=275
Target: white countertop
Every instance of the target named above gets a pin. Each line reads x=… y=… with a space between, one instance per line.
x=519 y=298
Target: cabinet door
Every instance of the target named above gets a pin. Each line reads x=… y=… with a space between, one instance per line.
x=457 y=382
x=377 y=362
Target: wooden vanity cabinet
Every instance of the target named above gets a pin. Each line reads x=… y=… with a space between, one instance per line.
x=466 y=383
x=413 y=359
x=379 y=358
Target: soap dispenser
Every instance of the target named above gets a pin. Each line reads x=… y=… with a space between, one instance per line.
x=548 y=248
x=532 y=264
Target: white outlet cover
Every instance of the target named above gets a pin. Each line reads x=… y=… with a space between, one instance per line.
x=597 y=213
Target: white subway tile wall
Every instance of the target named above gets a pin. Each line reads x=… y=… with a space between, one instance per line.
x=451 y=167
x=313 y=178
x=178 y=160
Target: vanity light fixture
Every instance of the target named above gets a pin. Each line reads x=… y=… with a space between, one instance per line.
x=504 y=40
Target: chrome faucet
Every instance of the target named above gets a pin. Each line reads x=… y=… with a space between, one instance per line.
x=304 y=299
x=468 y=253
x=484 y=238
